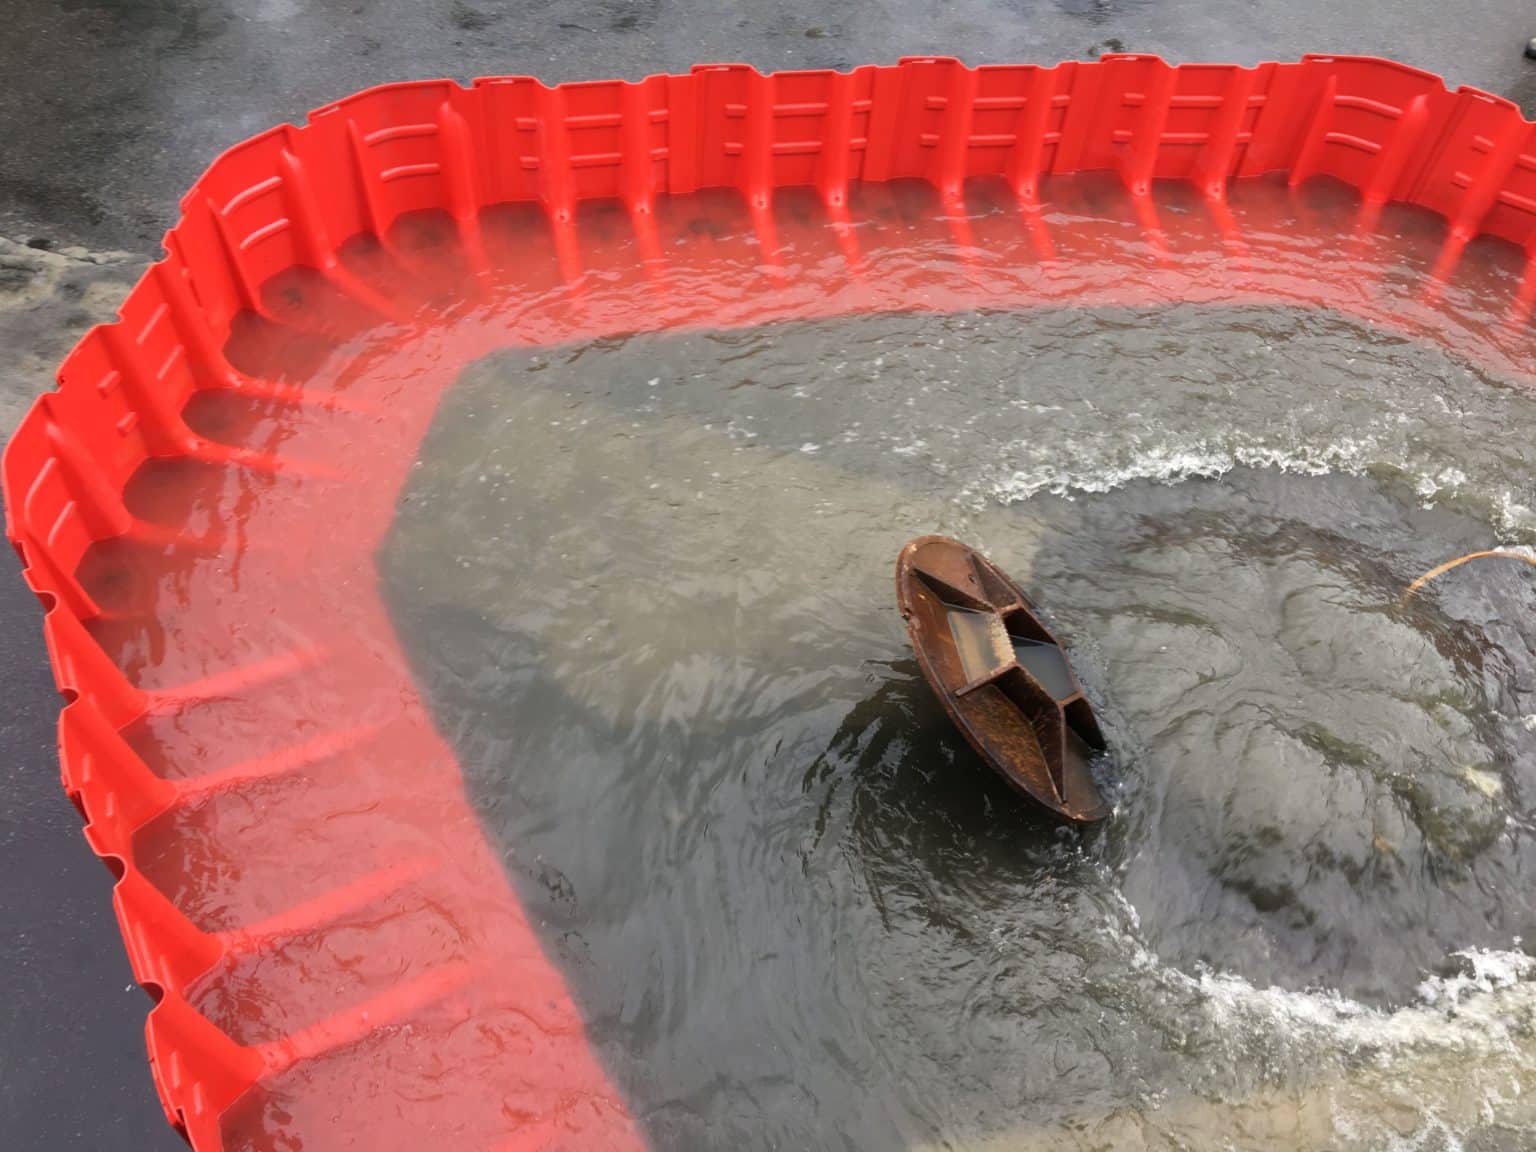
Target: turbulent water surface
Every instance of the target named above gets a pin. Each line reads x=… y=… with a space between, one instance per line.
x=646 y=584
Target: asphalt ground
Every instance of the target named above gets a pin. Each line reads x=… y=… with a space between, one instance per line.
x=109 y=109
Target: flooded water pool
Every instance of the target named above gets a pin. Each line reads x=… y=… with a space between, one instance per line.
x=789 y=897
x=641 y=531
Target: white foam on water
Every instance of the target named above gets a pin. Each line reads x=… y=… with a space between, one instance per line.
x=1487 y=1007
x=1512 y=517
x=1433 y=1135
x=1170 y=463
x=1447 y=479
x=1480 y=1017
x=1073 y=469
x=1487 y=1003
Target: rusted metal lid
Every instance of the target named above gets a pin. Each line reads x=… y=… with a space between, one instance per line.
x=1000 y=674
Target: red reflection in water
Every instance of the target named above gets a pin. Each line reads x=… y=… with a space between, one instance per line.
x=377 y=958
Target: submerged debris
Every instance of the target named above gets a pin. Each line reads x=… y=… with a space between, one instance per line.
x=1000 y=674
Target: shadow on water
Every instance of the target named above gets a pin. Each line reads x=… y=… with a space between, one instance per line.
x=891 y=791
x=770 y=923
x=899 y=786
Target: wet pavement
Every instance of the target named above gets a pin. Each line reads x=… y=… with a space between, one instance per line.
x=111 y=109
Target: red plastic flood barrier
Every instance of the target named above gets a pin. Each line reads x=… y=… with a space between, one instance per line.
x=444 y=973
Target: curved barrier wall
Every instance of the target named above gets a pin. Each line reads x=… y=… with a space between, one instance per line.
x=290 y=198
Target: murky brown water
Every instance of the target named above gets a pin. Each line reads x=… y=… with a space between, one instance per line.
x=646 y=582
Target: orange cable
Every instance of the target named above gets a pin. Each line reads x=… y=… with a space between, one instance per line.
x=1442 y=569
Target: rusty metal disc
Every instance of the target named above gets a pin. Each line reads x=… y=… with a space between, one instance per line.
x=1002 y=677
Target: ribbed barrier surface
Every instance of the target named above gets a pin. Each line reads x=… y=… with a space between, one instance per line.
x=385 y=884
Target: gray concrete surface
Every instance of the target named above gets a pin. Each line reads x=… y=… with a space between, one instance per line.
x=110 y=108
